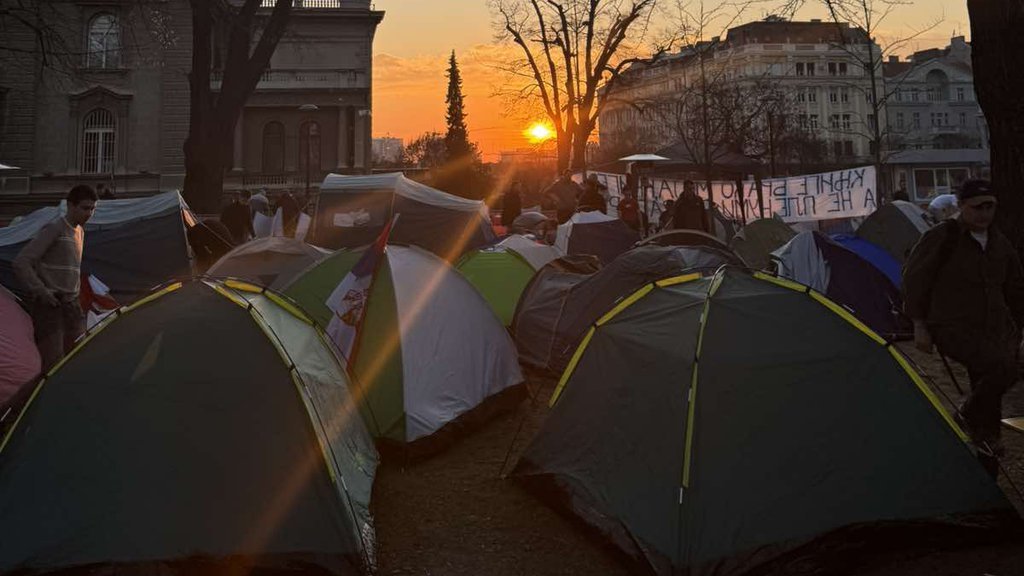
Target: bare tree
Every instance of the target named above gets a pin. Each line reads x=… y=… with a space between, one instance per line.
x=214 y=113
x=996 y=50
x=572 y=53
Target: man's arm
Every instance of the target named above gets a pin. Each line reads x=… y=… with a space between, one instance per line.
x=919 y=272
x=25 y=262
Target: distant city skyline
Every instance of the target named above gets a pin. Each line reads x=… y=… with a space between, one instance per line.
x=414 y=41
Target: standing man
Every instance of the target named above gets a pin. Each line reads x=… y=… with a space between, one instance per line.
x=689 y=212
x=237 y=218
x=511 y=206
x=50 y=268
x=964 y=290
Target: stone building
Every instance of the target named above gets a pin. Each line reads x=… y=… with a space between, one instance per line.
x=937 y=129
x=111 y=105
x=813 y=68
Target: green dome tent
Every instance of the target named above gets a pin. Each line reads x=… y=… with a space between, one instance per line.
x=895 y=227
x=708 y=425
x=756 y=241
x=501 y=273
x=429 y=349
x=207 y=422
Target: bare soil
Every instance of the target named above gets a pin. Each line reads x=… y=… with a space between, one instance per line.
x=455 y=514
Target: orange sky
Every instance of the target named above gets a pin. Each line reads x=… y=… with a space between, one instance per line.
x=413 y=43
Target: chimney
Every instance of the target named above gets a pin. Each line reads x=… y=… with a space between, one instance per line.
x=894 y=59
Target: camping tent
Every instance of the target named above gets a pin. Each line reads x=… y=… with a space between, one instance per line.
x=756 y=241
x=878 y=257
x=500 y=273
x=561 y=327
x=541 y=302
x=210 y=422
x=703 y=438
x=351 y=211
x=595 y=233
x=812 y=259
x=895 y=227
x=131 y=245
x=429 y=348
x=687 y=237
x=19 y=358
x=530 y=223
x=272 y=261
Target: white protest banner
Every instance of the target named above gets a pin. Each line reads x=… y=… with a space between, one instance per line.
x=840 y=194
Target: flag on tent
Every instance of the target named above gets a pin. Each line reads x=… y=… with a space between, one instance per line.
x=94 y=296
x=347 y=302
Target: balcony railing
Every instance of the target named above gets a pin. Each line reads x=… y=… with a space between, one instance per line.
x=278 y=79
x=320 y=4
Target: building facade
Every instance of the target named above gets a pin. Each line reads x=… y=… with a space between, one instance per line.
x=113 y=106
x=938 y=134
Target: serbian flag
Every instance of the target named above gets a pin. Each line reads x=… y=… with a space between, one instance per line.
x=94 y=296
x=347 y=302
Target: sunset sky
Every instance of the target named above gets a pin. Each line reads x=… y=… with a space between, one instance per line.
x=413 y=43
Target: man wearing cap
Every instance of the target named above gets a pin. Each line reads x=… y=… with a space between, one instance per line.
x=964 y=290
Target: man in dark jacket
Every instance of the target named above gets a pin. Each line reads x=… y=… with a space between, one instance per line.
x=237 y=218
x=689 y=211
x=511 y=205
x=964 y=290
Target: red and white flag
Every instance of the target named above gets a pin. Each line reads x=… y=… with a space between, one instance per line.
x=348 y=301
x=94 y=296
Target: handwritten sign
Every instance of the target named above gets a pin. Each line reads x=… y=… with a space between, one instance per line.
x=840 y=194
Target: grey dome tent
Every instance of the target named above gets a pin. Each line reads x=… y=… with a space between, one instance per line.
x=707 y=425
x=131 y=245
x=207 y=421
x=351 y=211
x=597 y=234
x=273 y=261
x=813 y=259
x=756 y=241
x=584 y=302
x=895 y=227
x=541 y=302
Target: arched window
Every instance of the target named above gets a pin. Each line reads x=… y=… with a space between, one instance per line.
x=309 y=146
x=273 y=148
x=98 y=142
x=104 y=42
x=938 y=86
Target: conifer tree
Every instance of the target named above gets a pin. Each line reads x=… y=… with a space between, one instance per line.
x=456 y=139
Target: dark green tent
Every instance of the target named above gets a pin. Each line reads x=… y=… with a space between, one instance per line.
x=707 y=425
x=209 y=422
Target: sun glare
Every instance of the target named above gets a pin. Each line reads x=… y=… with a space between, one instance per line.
x=539 y=132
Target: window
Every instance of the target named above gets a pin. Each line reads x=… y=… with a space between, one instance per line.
x=931 y=94
x=914 y=95
x=848 y=147
x=842 y=69
x=799 y=68
x=871 y=121
x=810 y=68
x=844 y=95
x=103 y=48
x=837 y=148
x=309 y=145
x=930 y=182
x=899 y=95
x=801 y=96
x=833 y=121
x=802 y=120
x=916 y=122
x=959 y=94
x=899 y=120
x=833 y=95
x=273 y=148
x=963 y=119
x=813 y=121
x=98 y=141
x=812 y=94
x=833 y=69
x=846 y=121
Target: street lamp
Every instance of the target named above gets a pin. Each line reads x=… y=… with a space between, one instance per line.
x=309 y=142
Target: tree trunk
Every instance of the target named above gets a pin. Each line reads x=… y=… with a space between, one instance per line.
x=564 y=150
x=579 y=146
x=997 y=46
x=204 y=172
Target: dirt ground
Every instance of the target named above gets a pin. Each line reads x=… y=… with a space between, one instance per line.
x=454 y=514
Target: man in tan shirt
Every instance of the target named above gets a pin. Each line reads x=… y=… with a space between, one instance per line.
x=50 y=268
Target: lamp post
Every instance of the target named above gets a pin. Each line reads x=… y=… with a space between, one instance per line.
x=309 y=144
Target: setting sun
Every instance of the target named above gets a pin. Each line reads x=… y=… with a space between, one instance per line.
x=539 y=132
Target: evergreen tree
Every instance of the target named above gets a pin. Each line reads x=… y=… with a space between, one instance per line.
x=456 y=139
